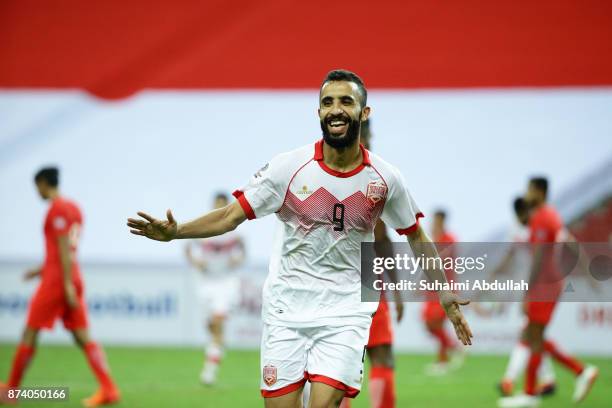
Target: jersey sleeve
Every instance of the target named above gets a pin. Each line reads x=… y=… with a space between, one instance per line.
x=59 y=221
x=545 y=226
x=265 y=192
x=401 y=211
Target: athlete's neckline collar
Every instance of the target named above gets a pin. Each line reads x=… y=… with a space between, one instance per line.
x=318 y=157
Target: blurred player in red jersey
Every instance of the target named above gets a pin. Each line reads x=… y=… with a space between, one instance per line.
x=519 y=258
x=379 y=349
x=545 y=227
x=60 y=292
x=215 y=259
x=432 y=313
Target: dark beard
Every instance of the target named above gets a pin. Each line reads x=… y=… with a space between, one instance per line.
x=345 y=141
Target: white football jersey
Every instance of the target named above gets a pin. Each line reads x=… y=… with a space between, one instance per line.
x=314 y=274
x=218 y=253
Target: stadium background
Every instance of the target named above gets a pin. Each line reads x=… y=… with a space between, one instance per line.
x=152 y=105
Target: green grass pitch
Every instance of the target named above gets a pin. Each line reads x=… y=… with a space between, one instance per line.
x=168 y=377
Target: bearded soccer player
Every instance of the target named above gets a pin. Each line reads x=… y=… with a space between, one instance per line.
x=433 y=314
x=545 y=226
x=60 y=292
x=328 y=197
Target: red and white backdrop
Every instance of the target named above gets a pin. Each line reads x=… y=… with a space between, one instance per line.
x=153 y=105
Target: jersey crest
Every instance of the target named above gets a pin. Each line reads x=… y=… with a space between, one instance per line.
x=375 y=192
x=269 y=375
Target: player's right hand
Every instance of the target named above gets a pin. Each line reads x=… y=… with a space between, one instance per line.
x=159 y=230
x=451 y=302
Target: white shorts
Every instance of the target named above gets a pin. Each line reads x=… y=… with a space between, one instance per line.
x=219 y=296
x=331 y=355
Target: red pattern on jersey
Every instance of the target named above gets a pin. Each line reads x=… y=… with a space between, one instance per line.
x=316 y=211
x=223 y=246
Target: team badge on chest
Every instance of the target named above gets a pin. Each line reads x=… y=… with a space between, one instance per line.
x=376 y=191
x=269 y=375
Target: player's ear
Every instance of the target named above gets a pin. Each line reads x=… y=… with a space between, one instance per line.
x=365 y=113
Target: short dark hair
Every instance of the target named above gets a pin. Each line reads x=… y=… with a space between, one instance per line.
x=441 y=214
x=220 y=195
x=48 y=174
x=344 y=75
x=540 y=183
x=520 y=206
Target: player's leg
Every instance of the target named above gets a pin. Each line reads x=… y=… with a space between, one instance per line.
x=44 y=308
x=218 y=298
x=325 y=396
x=290 y=400
x=381 y=382
x=539 y=314
x=435 y=326
x=21 y=360
x=23 y=356
x=76 y=321
x=335 y=363
x=516 y=365
x=214 y=349
x=562 y=358
x=346 y=403
x=547 y=381
x=585 y=376
x=283 y=366
x=535 y=339
x=382 y=376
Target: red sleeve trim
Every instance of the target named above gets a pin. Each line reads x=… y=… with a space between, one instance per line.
x=285 y=390
x=349 y=392
x=411 y=229
x=246 y=207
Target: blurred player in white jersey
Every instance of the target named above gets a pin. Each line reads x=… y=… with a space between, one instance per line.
x=216 y=259
x=328 y=197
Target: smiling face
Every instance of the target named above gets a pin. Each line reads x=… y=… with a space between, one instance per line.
x=341 y=113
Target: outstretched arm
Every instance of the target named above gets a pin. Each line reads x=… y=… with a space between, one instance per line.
x=382 y=246
x=214 y=223
x=421 y=244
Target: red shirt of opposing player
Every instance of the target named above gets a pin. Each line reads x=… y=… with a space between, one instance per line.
x=545 y=225
x=63 y=218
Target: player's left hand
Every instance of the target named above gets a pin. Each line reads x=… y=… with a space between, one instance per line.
x=451 y=302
